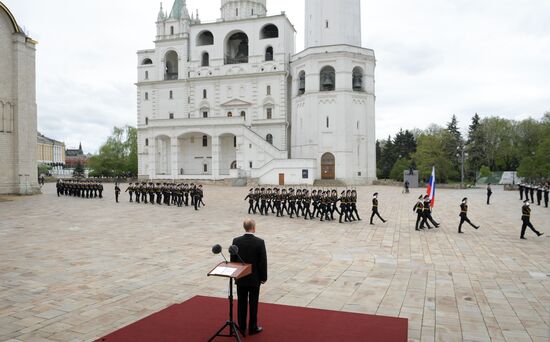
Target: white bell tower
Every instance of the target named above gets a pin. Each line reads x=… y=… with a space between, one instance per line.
x=333 y=94
x=331 y=22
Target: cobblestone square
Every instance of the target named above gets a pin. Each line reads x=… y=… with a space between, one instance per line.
x=76 y=269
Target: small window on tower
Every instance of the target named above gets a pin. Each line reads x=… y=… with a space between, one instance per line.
x=237 y=12
x=171 y=95
x=146 y=96
x=204 y=141
x=146 y=142
x=328 y=122
x=252 y=12
x=268 y=90
x=229 y=114
x=147 y=75
x=326 y=23
x=171 y=116
x=204 y=94
x=269 y=113
x=205 y=114
x=235 y=141
x=172 y=30
x=146 y=121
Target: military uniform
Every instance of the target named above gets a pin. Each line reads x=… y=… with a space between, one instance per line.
x=464 y=216
x=526 y=218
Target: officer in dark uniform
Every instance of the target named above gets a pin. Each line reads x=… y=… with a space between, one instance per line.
x=526 y=218
x=428 y=213
x=521 y=188
x=375 y=209
x=130 y=191
x=117 y=192
x=464 y=215
x=344 y=207
x=250 y=198
x=539 y=193
x=489 y=193
x=353 y=205
x=546 y=190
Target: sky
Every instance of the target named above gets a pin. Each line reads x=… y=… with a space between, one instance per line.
x=435 y=58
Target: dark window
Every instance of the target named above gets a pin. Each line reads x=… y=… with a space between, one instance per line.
x=234 y=141
x=147 y=61
x=250 y=164
x=147 y=75
x=204 y=141
x=146 y=121
x=205 y=167
x=204 y=94
x=268 y=90
x=269 y=54
x=205 y=38
x=229 y=114
x=171 y=95
x=269 y=31
x=171 y=116
x=328 y=79
x=237 y=12
x=146 y=96
x=326 y=23
x=302 y=83
x=269 y=139
x=146 y=142
x=357 y=80
x=236 y=49
x=243 y=114
x=204 y=114
x=172 y=66
x=171 y=30
x=205 y=59
x=234 y=165
x=269 y=113
x=328 y=122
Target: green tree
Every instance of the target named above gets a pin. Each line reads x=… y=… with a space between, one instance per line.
x=44 y=169
x=78 y=170
x=118 y=156
x=404 y=144
x=452 y=143
x=502 y=152
x=537 y=167
x=431 y=152
x=387 y=158
x=400 y=166
x=485 y=171
x=475 y=146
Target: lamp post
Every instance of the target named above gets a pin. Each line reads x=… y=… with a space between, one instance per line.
x=462 y=154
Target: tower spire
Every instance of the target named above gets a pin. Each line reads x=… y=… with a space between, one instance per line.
x=161 y=15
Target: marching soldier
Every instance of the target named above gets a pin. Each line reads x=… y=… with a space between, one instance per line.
x=130 y=191
x=375 y=209
x=526 y=218
x=489 y=193
x=117 y=192
x=546 y=190
x=428 y=214
x=419 y=208
x=464 y=215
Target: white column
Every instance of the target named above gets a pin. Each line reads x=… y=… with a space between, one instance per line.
x=174 y=150
x=215 y=157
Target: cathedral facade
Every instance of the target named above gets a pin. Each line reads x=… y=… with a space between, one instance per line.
x=18 y=167
x=231 y=99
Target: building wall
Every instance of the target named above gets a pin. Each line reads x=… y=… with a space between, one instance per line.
x=18 y=169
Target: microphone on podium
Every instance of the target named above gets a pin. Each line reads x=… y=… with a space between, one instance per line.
x=234 y=250
x=217 y=249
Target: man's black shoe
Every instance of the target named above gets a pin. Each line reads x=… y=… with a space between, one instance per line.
x=255 y=331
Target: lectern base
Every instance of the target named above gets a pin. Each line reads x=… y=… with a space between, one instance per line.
x=233 y=331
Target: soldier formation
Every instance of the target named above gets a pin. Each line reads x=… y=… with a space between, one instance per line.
x=321 y=204
x=167 y=194
x=534 y=193
x=79 y=188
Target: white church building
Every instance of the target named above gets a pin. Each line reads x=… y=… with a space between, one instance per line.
x=231 y=99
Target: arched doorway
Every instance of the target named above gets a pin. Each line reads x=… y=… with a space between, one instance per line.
x=328 y=166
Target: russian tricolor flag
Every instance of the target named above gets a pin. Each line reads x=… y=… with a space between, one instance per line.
x=431 y=188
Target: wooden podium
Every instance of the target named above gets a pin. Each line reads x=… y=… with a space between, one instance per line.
x=231 y=270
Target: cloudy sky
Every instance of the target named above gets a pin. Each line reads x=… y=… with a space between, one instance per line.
x=435 y=58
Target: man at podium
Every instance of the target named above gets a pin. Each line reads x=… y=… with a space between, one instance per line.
x=251 y=251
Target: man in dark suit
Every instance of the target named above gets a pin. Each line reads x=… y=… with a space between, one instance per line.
x=252 y=251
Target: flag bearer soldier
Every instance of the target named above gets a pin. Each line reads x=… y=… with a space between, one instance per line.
x=375 y=208
x=526 y=218
x=428 y=213
x=419 y=208
x=464 y=215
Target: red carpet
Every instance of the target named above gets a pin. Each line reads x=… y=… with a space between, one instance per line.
x=200 y=317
